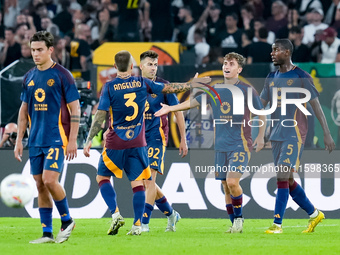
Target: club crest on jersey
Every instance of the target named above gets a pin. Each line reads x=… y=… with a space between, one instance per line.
x=50 y=82
x=225 y=107
x=129 y=134
x=289 y=82
x=153 y=95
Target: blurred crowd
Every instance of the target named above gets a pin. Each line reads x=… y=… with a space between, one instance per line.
x=208 y=28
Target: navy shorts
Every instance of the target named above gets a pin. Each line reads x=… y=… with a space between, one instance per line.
x=46 y=158
x=133 y=161
x=287 y=153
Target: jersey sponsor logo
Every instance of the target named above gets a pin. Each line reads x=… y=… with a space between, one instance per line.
x=225 y=107
x=40 y=95
x=54 y=165
x=271 y=84
x=129 y=134
x=277 y=216
x=289 y=82
x=287 y=161
x=50 y=82
x=154 y=163
x=31 y=83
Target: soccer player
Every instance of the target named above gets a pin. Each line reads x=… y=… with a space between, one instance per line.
x=125 y=147
x=51 y=108
x=288 y=140
x=156 y=133
x=234 y=143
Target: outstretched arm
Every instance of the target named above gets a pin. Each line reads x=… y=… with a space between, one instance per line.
x=179 y=107
x=22 y=125
x=327 y=138
x=96 y=126
x=176 y=87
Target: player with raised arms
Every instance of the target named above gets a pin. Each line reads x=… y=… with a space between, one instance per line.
x=233 y=142
x=125 y=148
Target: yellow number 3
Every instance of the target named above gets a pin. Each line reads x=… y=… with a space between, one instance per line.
x=130 y=97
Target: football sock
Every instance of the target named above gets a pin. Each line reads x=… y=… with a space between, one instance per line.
x=281 y=201
x=237 y=204
x=230 y=211
x=108 y=194
x=138 y=204
x=46 y=220
x=147 y=213
x=314 y=214
x=164 y=206
x=62 y=207
x=299 y=196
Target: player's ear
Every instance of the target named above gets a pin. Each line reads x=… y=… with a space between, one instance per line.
x=114 y=65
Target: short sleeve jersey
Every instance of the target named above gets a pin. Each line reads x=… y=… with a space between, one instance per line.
x=232 y=132
x=157 y=128
x=47 y=94
x=125 y=100
x=294 y=125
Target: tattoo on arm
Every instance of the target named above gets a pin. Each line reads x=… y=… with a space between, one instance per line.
x=96 y=124
x=176 y=87
x=75 y=118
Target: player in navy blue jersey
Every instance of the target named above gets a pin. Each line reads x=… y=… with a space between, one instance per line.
x=289 y=132
x=234 y=143
x=50 y=106
x=156 y=133
x=125 y=148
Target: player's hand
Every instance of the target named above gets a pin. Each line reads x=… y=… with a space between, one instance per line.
x=71 y=150
x=198 y=82
x=87 y=148
x=164 y=110
x=329 y=143
x=183 y=148
x=259 y=143
x=18 y=151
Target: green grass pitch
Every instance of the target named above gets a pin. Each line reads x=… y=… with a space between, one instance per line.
x=193 y=236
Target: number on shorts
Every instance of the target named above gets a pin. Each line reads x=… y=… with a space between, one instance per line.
x=153 y=153
x=239 y=156
x=290 y=148
x=50 y=153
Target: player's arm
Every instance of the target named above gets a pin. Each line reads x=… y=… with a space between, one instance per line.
x=178 y=107
x=96 y=126
x=328 y=140
x=22 y=125
x=183 y=147
x=181 y=87
x=259 y=140
x=71 y=149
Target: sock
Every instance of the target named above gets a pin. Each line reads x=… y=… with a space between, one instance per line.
x=108 y=194
x=237 y=204
x=147 y=213
x=281 y=201
x=299 y=196
x=314 y=214
x=46 y=220
x=138 y=204
x=230 y=210
x=164 y=206
x=62 y=207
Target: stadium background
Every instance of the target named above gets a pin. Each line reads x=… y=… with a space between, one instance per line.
x=193 y=194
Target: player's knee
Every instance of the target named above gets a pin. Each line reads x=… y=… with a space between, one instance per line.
x=150 y=184
x=40 y=186
x=232 y=183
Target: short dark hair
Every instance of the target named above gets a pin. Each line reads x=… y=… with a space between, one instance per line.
x=122 y=60
x=285 y=44
x=45 y=36
x=10 y=29
x=241 y=61
x=233 y=14
x=148 y=54
x=263 y=33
